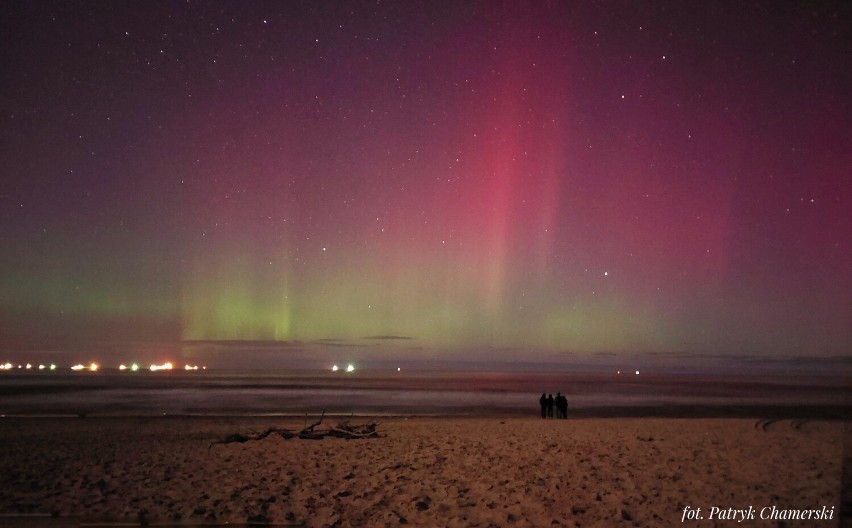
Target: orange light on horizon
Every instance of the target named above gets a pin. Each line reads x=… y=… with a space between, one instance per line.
x=94 y=367
x=168 y=365
x=190 y=367
x=77 y=367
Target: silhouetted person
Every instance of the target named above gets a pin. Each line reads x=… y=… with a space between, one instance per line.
x=561 y=406
x=543 y=402
x=550 y=405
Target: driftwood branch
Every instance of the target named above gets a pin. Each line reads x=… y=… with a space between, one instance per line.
x=308 y=432
x=343 y=429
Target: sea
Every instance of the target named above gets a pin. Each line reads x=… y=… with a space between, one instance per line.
x=419 y=393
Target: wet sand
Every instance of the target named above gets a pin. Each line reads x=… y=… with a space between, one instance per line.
x=488 y=471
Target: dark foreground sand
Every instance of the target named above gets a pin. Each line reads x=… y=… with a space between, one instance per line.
x=423 y=472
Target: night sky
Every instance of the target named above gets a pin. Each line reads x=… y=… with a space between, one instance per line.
x=516 y=181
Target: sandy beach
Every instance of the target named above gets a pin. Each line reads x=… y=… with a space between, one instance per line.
x=423 y=472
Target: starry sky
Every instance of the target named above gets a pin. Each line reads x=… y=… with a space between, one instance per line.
x=506 y=180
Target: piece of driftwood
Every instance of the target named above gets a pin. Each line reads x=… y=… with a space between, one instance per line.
x=343 y=429
x=308 y=433
x=346 y=430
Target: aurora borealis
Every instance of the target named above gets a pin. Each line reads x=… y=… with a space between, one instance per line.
x=513 y=180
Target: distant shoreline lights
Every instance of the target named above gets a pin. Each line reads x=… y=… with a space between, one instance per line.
x=95 y=367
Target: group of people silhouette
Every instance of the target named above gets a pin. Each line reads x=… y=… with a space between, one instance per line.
x=548 y=402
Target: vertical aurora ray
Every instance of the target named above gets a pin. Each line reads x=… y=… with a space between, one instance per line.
x=514 y=152
x=240 y=299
